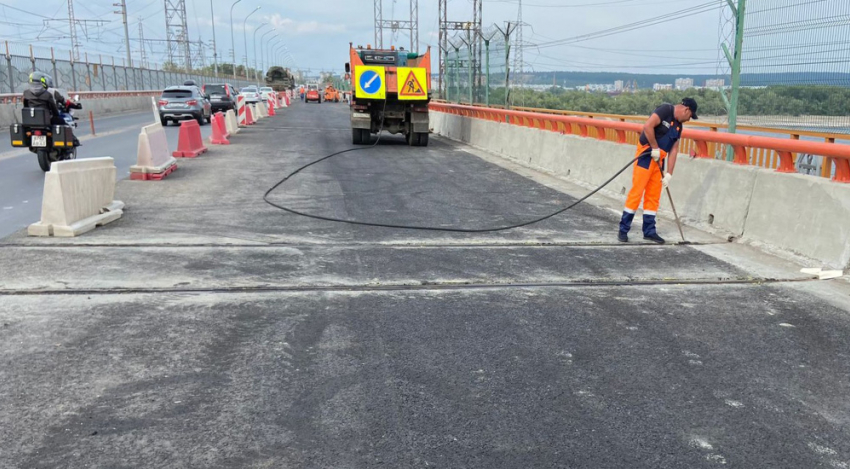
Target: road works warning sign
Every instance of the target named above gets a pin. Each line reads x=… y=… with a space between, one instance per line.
x=412 y=83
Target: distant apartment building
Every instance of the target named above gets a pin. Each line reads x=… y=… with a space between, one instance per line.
x=662 y=86
x=684 y=83
x=715 y=83
x=618 y=85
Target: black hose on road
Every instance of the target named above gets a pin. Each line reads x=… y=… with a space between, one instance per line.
x=415 y=227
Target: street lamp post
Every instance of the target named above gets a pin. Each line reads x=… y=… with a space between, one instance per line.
x=232 y=42
x=254 y=40
x=215 y=51
x=262 y=58
x=245 y=38
x=272 y=46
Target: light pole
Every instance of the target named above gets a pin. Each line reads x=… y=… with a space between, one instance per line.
x=232 y=42
x=262 y=57
x=272 y=46
x=254 y=40
x=245 y=39
x=215 y=51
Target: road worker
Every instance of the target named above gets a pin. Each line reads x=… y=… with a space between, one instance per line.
x=659 y=142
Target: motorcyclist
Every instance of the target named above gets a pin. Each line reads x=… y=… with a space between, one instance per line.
x=39 y=96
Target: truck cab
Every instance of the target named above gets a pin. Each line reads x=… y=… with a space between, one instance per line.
x=390 y=92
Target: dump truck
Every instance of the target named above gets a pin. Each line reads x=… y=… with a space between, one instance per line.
x=391 y=92
x=279 y=79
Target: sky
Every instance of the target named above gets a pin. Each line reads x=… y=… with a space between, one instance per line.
x=317 y=34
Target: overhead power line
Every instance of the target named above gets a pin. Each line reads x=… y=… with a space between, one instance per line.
x=672 y=16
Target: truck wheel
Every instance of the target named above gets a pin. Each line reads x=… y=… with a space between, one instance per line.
x=413 y=139
x=423 y=139
x=43 y=160
x=365 y=137
x=355 y=137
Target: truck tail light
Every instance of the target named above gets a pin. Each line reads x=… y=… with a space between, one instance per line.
x=420 y=108
x=36 y=132
x=361 y=107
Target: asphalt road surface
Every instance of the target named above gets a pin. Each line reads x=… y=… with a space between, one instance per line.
x=206 y=328
x=22 y=180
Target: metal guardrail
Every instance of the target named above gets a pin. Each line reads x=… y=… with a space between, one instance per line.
x=700 y=143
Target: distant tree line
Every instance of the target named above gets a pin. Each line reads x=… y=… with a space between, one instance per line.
x=772 y=100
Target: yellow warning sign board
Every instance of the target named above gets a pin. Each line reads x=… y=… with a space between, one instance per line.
x=370 y=82
x=412 y=83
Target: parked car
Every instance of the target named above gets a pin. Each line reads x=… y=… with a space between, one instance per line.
x=184 y=102
x=222 y=96
x=251 y=94
x=267 y=93
x=313 y=94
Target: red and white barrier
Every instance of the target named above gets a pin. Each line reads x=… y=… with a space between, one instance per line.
x=190 y=143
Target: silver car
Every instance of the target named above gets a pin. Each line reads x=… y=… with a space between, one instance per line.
x=251 y=94
x=184 y=102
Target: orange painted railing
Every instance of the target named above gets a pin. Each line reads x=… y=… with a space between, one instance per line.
x=699 y=143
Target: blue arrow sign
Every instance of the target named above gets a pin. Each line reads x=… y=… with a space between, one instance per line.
x=370 y=82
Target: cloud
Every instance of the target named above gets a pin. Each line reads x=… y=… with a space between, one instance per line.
x=290 y=26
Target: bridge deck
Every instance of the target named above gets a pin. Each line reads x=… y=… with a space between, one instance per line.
x=206 y=328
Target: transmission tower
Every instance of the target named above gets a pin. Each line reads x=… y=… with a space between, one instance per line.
x=471 y=27
x=75 y=45
x=518 y=60
x=142 y=51
x=394 y=25
x=177 y=33
x=379 y=19
x=73 y=22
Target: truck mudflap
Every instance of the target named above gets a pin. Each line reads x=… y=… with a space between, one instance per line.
x=361 y=120
x=419 y=122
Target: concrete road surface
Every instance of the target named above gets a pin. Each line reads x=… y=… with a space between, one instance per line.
x=208 y=329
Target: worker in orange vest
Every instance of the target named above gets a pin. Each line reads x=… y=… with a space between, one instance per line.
x=301 y=92
x=659 y=141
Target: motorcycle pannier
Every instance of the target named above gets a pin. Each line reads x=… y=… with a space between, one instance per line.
x=63 y=136
x=16 y=132
x=35 y=117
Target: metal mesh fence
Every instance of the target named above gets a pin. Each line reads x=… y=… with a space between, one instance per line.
x=480 y=81
x=102 y=74
x=794 y=69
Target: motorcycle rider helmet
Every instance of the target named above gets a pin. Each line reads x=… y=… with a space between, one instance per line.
x=42 y=79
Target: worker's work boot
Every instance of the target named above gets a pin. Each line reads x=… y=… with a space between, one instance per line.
x=649 y=232
x=625 y=226
x=654 y=238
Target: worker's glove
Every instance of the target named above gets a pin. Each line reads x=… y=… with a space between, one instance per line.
x=656 y=154
x=665 y=181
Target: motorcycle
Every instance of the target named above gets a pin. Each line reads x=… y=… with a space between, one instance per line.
x=49 y=142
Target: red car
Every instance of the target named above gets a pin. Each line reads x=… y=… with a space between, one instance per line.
x=313 y=94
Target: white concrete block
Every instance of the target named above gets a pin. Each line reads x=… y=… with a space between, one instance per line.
x=807 y=215
x=153 y=155
x=77 y=198
x=231 y=122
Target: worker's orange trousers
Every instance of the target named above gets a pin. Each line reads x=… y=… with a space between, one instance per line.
x=646 y=185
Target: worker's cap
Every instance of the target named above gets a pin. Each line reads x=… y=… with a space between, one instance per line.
x=691 y=104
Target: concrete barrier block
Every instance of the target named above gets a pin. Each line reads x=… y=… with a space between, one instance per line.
x=77 y=198
x=712 y=194
x=153 y=156
x=231 y=122
x=810 y=216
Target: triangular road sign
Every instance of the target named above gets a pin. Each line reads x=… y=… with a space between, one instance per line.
x=412 y=87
